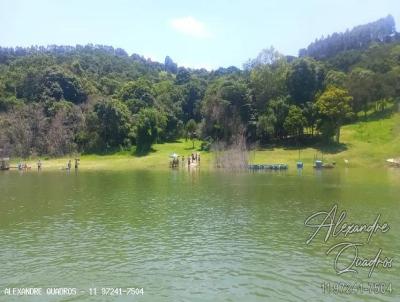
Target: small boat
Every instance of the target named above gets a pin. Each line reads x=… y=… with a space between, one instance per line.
x=393 y=162
x=4 y=164
x=319 y=164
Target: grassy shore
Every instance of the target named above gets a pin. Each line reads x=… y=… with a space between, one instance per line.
x=367 y=143
x=157 y=158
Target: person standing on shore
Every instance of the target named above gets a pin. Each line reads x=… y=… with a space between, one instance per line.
x=77 y=163
x=39 y=165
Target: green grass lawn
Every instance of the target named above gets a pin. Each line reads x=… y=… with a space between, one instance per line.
x=367 y=143
x=362 y=144
x=157 y=158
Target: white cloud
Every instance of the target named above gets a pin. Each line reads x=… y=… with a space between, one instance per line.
x=191 y=27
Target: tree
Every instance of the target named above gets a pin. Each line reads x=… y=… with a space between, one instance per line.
x=305 y=78
x=280 y=108
x=58 y=84
x=55 y=89
x=310 y=112
x=63 y=130
x=109 y=86
x=52 y=84
x=362 y=87
x=137 y=95
x=114 y=122
x=169 y=99
x=392 y=81
x=269 y=82
x=170 y=65
x=295 y=121
x=191 y=128
x=335 y=78
x=226 y=108
x=194 y=93
x=334 y=105
x=267 y=56
x=360 y=37
x=23 y=130
x=183 y=76
x=266 y=125
x=149 y=127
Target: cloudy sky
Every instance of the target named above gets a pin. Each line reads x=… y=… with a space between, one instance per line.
x=208 y=33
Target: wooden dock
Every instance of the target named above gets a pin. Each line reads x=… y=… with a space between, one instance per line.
x=269 y=167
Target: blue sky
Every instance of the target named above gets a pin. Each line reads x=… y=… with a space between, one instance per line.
x=209 y=33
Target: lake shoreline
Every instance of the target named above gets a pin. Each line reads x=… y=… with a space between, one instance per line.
x=131 y=162
x=363 y=144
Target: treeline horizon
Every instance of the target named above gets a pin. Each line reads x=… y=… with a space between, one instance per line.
x=58 y=100
x=359 y=37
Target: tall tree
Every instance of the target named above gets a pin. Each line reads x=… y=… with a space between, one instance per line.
x=114 y=122
x=304 y=80
x=362 y=85
x=310 y=112
x=170 y=65
x=280 y=108
x=267 y=56
x=295 y=121
x=269 y=82
x=183 y=76
x=137 y=94
x=266 y=125
x=191 y=128
x=226 y=108
x=334 y=106
x=149 y=127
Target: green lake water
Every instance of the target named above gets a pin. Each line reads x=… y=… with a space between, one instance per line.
x=191 y=236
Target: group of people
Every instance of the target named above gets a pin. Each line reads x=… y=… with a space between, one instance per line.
x=194 y=158
x=69 y=164
x=23 y=166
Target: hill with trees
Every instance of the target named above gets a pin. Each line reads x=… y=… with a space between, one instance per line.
x=59 y=100
x=358 y=38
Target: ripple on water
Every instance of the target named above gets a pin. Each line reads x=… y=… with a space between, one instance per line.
x=215 y=238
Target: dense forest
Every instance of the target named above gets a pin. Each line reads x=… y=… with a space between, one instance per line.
x=59 y=100
x=360 y=37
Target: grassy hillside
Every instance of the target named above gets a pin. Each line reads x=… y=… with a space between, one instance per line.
x=374 y=141
x=367 y=143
